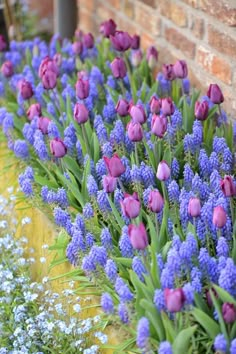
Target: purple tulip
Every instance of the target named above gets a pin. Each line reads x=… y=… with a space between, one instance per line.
x=26 y=89
x=3 y=44
x=109 y=183
x=7 y=68
x=215 y=94
x=114 y=165
x=135 y=41
x=48 y=64
x=201 y=110
x=219 y=217
x=49 y=79
x=82 y=88
x=181 y=69
x=194 y=207
x=136 y=57
x=229 y=312
x=137 y=113
x=121 y=41
x=43 y=123
x=174 y=299
x=77 y=47
x=155 y=105
x=88 y=40
x=163 y=171
x=79 y=34
x=122 y=107
x=118 y=68
x=152 y=56
x=135 y=131
x=167 y=106
x=159 y=125
x=57 y=147
x=138 y=236
x=81 y=114
x=168 y=72
x=130 y=205
x=34 y=111
x=155 y=201
x=108 y=28
x=228 y=186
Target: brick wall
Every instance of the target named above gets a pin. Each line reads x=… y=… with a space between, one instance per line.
x=203 y=32
x=44 y=11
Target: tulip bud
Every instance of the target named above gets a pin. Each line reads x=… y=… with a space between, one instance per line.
x=108 y=28
x=34 y=111
x=47 y=64
x=167 y=106
x=138 y=236
x=109 y=183
x=135 y=41
x=121 y=41
x=7 y=69
x=201 y=110
x=57 y=59
x=159 y=125
x=57 y=147
x=228 y=187
x=155 y=201
x=122 y=107
x=219 y=217
x=152 y=56
x=135 y=131
x=77 y=47
x=136 y=57
x=118 y=68
x=26 y=90
x=163 y=171
x=155 y=105
x=49 y=80
x=88 y=40
x=215 y=94
x=3 y=44
x=43 y=123
x=137 y=113
x=81 y=114
x=194 y=207
x=114 y=165
x=181 y=69
x=229 y=312
x=168 y=71
x=209 y=296
x=130 y=205
x=82 y=88
x=174 y=299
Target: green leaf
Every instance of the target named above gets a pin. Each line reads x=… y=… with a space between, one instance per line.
x=220 y=317
x=210 y=326
x=201 y=304
x=153 y=233
x=155 y=318
x=169 y=327
x=181 y=342
x=224 y=295
x=118 y=218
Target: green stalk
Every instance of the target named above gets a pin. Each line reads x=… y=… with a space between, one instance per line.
x=136 y=153
x=85 y=138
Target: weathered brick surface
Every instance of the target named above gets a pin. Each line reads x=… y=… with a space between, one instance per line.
x=224 y=10
x=148 y=20
x=181 y=42
x=174 y=12
x=151 y=3
x=222 y=42
x=197 y=26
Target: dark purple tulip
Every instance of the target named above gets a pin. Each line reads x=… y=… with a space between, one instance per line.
x=135 y=41
x=219 y=216
x=26 y=90
x=152 y=56
x=122 y=107
x=135 y=131
x=34 y=111
x=121 y=41
x=168 y=72
x=136 y=57
x=47 y=64
x=215 y=94
x=201 y=110
x=181 y=69
x=228 y=186
x=137 y=113
x=159 y=125
x=229 y=312
x=108 y=28
x=43 y=123
x=88 y=40
x=109 y=183
x=49 y=79
x=155 y=105
x=57 y=147
x=81 y=114
x=77 y=47
x=118 y=68
x=82 y=88
x=7 y=68
x=209 y=296
x=174 y=299
x=167 y=106
x=155 y=201
x=3 y=43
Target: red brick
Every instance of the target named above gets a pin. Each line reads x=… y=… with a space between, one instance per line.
x=181 y=42
x=129 y=9
x=174 y=12
x=151 y=3
x=86 y=22
x=148 y=20
x=193 y=3
x=89 y=5
x=147 y=40
x=224 y=10
x=197 y=26
x=125 y=25
x=103 y=12
x=216 y=65
x=115 y=4
x=222 y=42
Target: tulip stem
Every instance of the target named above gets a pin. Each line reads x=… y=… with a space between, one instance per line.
x=147 y=266
x=121 y=185
x=232 y=209
x=122 y=86
x=136 y=153
x=220 y=111
x=157 y=225
x=85 y=138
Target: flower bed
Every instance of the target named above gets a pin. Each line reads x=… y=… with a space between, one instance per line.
x=140 y=175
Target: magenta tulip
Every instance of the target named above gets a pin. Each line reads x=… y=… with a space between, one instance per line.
x=155 y=201
x=121 y=41
x=82 y=88
x=181 y=69
x=7 y=69
x=215 y=94
x=114 y=165
x=57 y=147
x=163 y=171
x=135 y=41
x=34 y=111
x=109 y=183
x=152 y=56
x=122 y=107
x=88 y=40
x=43 y=123
x=201 y=110
x=137 y=113
x=167 y=106
x=228 y=186
x=81 y=114
x=229 y=312
x=219 y=217
x=138 y=236
x=77 y=47
x=49 y=79
x=174 y=299
x=159 y=125
x=155 y=105
x=131 y=205
x=108 y=28
x=194 y=207
x=47 y=64
x=135 y=131
x=118 y=68
x=3 y=44
x=26 y=89
x=168 y=71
